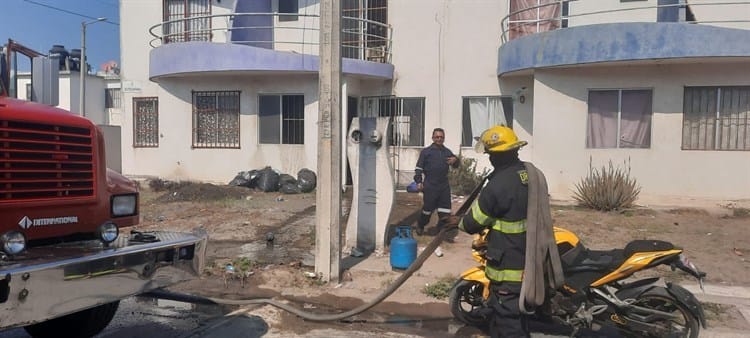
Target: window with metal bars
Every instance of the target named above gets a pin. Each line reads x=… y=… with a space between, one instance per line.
x=406 y=115
x=282 y=119
x=216 y=119
x=536 y=16
x=716 y=118
x=145 y=122
x=191 y=21
x=364 y=39
x=112 y=98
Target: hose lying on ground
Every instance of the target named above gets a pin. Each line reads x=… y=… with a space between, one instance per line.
x=416 y=265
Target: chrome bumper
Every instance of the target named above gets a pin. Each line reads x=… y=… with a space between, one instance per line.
x=52 y=281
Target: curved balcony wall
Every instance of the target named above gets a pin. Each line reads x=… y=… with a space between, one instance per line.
x=264 y=42
x=200 y=57
x=568 y=33
x=621 y=42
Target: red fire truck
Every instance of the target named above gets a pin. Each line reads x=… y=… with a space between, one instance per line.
x=66 y=260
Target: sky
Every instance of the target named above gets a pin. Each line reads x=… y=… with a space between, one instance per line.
x=36 y=25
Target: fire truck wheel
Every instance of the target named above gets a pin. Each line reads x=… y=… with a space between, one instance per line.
x=84 y=323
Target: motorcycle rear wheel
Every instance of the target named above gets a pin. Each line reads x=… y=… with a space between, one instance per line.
x=686 y=326
x=467 y=303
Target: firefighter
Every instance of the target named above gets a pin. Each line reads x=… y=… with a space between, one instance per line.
x=434 y=162
x=502 y=207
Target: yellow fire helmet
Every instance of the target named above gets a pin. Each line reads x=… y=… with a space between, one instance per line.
x=498 y=139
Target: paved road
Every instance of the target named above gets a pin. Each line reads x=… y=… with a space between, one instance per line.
x=140 y=317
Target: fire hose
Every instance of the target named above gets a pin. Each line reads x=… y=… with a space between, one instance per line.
x=416 y=265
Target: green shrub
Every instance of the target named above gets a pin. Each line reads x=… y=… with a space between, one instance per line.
x=741 y=212
x=441 y=289
x=608 y=188
x=465 y=178
x=244 y=264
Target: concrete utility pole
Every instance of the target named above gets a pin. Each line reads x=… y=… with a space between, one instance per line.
x=328 y=198
x=83 y=68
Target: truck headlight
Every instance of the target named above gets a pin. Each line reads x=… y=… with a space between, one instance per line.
x=124 y=205
x=107 y=232
x=13 y=242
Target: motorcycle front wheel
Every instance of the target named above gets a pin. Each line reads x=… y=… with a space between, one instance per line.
x=467 y=303
x=684 y=325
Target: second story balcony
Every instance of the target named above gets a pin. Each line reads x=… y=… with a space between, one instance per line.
x=558 y=33
x=265 y=42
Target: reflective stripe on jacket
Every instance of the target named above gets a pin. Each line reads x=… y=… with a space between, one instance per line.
x=502 y=207
x=507 y=275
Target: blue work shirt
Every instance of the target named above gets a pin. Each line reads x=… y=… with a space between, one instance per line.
x=433 y=162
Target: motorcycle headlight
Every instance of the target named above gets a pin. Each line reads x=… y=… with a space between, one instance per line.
x=13 y=242
x=124 y=205
x=107 y=232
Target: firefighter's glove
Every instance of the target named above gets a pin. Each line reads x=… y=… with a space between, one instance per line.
x=451 y=221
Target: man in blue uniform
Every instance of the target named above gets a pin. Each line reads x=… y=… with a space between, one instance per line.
x=434 y=162
x=502 y=207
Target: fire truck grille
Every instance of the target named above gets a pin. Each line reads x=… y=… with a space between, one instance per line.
x=44 y=161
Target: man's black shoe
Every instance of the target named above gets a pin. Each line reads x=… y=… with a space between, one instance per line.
x=419 y=230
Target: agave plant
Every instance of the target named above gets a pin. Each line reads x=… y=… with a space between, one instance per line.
x=608 y=188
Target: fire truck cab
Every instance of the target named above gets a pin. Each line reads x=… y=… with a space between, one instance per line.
x=66 y=257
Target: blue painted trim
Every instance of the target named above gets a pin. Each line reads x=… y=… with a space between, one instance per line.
x=621 y=42
x=198 y=57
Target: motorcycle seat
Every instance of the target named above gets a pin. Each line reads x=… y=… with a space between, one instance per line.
x=646 y=246
x=599 y=260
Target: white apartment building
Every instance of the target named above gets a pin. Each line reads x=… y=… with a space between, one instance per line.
x=213 y=87
x=103 y=97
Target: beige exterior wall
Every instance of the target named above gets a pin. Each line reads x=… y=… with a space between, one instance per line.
x=560 y=115
x=176 y=159
x=618 y=12
x=222 y=21
x=288 y=34
x=443 y=56
x=708 y=12
x=443 y=50
x=134 y=60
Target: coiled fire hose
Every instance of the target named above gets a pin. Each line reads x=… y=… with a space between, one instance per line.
x=416 y=265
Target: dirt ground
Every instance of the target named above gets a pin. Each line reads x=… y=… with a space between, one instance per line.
x=241 y=221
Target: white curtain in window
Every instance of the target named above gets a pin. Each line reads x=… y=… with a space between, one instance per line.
x=480 y=117
x=734 y=117
x=602 y=121
x=485 y=112
x=699 y=119
x=199 y=27
x=175 y=11
x=635 y=119
x=495 y=107
x=630 y=110
x=533 y=20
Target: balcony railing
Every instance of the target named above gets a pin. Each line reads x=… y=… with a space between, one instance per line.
x=299 y=33
x=549 y=15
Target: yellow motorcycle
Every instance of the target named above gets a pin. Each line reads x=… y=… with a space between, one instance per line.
x=595 y=292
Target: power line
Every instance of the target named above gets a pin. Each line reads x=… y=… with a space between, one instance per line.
x=69 y=12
